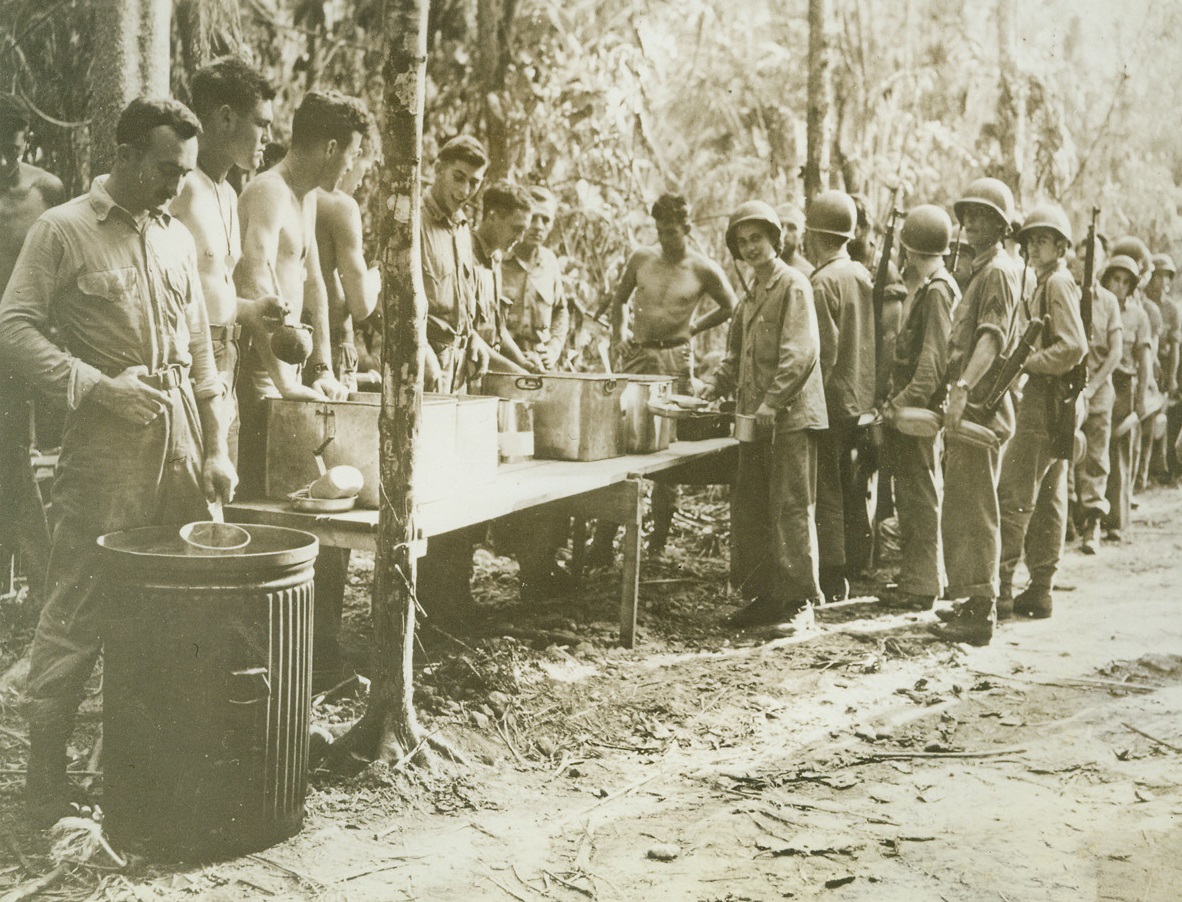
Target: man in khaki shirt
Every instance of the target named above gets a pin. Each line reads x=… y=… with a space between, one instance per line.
x=145 y=438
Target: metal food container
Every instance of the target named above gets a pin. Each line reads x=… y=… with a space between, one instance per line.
x=477 y=445
x=348 y=433
x=643 y=432
x=435 y=455
x=346 y=430
x=515 y=430
x=577 y=416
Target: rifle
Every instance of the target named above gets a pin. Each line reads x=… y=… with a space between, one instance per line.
x=882 y=275
x=1063 y=413
x=955 y=252
x=991 y=388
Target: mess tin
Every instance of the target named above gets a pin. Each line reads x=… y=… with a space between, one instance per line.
x=973 y=434
x=918 y=421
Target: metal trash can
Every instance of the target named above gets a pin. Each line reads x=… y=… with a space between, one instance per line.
x=206 y=690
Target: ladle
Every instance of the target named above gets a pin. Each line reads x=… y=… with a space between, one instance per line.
x=214 y=536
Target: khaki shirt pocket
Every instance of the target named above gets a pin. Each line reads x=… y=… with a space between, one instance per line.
x=109 y=284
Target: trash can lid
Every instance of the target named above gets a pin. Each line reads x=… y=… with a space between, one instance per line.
x=160 y=549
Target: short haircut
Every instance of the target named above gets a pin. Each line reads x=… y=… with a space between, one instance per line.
x=503 y=198
x=230 y=81
x=328 y=116
x=542 y=195
x=14 y=115
x=671 y=208
x=463 y=149
x=144 y=114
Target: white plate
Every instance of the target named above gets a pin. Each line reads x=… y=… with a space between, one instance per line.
x=300 y=501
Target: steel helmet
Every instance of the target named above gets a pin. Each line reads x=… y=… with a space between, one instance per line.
x=1164 y=263
x=754 y=211
x=1132 y=246
x=987 y=192
x=926 y=230
x=832 y=212
x=1047 y=216
x=1121 y=261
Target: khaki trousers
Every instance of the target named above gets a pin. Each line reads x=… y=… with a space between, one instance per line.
x=773 y=530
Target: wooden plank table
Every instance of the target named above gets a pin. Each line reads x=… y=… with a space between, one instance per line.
x=610 y=489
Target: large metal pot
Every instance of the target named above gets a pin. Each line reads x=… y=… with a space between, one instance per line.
x=576 y=415
x=643 y=431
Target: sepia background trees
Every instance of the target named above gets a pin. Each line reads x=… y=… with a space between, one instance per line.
x=613 y=101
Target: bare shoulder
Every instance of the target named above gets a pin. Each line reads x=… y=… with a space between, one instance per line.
x=46 y=182
x=336 y=205
x=643 y=255
x=190 y=191
x=266 y=190
x=702 y=265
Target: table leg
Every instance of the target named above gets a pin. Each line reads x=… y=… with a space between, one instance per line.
x=630 y=582
x=578 y=547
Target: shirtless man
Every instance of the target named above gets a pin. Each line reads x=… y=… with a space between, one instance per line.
x=280 y=257
x=233 y=101
x=353 y=288
x=666 y=284
x=26 y=192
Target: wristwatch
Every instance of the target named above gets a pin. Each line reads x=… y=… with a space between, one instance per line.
x=318 y=368
x=960 y=383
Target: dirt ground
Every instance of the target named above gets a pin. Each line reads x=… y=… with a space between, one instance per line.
x=868 y=761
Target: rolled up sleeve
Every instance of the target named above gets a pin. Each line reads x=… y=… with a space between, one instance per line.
x=1069 y=344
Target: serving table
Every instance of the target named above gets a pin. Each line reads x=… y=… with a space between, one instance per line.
x=611 y=489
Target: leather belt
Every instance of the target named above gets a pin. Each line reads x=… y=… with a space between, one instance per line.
x=172 y=376
x=662 y=345
x=228 y=332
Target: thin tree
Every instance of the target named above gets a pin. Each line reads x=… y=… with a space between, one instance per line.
x=389 y=730
x=131 y=38
x=816 y=167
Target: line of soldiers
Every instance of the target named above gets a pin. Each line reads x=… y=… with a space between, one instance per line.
x=995 y=394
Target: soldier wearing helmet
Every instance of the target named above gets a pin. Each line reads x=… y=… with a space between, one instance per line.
x=1130 y=381
x=771 y=366
x=1169 y=331
x=917 y=381
x=1032 y=490
x=1104 y=356
x=982 y=329
x=1158 y=289
x=665 y=285
x=842 y=292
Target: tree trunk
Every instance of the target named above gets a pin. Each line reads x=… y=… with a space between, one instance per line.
x=1011 y=101
x=494 y=21
x=816 y=168
x=132 y=41
x=389 y=729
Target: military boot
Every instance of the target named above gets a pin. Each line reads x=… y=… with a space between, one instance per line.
x=1034 y=602
x=49 y=794
x=971 y=622
x=1090 y=534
